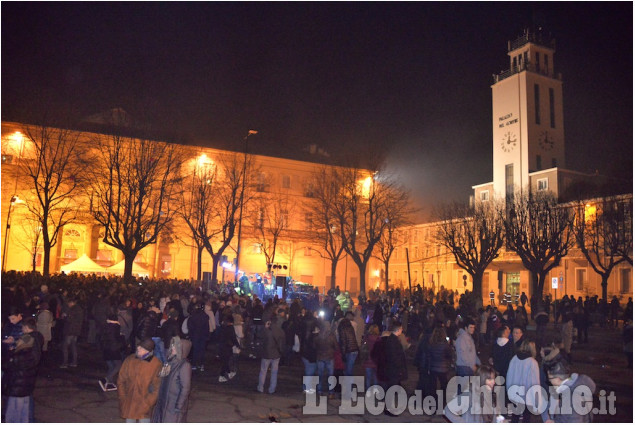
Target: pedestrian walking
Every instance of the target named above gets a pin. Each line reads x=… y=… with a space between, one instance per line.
x=113 y=345
x=466 y=358
x=74 y=315
x=21 y=373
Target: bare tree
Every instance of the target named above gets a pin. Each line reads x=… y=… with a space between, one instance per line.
x=397 y=212
x=602 y=231
x=323 y=190
x=474 y=235
x=360 y=213
x=270 y=221
x=231 y=185
x=134 y=187
x=538 y=230
x=196 y=205
x=54 y=165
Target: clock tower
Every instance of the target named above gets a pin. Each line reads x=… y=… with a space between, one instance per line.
x=527 y=119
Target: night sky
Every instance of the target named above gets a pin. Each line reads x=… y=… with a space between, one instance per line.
x=411 y=77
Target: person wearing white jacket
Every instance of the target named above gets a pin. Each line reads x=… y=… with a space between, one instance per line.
x=523 y=374
x=466 y=358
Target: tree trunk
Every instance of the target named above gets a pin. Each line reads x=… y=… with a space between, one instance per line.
x=333 y=272
x=386 y=274
x=127 y=271
x=215 y=260
x=534 y=284
x=362 y=277
x=605 y=283
x=199 y=258
x=46 y=247
x=477 y=288
x=541 y=284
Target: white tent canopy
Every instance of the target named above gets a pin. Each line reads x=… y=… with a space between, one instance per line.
x=120 y=266
x=83 y=265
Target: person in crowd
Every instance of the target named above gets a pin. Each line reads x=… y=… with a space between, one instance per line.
x=563 y=380
x=198 y=332
x=348 y=345
x=12 y=331
x=523 y=371
x=395 y=367
x=370 y=367
x=45 y=321
x=174 y=393
x=518 y=333
x=502 y=351
x=482 y=407
x=466 y=357
x=325 y=347
x=627 y=340
x=440 y=356
x=308 y=353
x=273 y=348
x=139 y=383
x=227 y=340
x=21 y=374
x=74 y=315
x=112 y=346
x=566 y=332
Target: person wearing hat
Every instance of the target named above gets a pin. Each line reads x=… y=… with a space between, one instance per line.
x=21 y=372
x=139 y=382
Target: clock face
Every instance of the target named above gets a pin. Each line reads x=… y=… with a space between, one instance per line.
x=508 y=142
x=546 y=141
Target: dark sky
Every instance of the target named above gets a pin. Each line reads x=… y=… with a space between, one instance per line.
x=412 y=77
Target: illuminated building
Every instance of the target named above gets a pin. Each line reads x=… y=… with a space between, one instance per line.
x=174 y=256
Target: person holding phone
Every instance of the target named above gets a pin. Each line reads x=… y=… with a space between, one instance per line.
x=273 y=347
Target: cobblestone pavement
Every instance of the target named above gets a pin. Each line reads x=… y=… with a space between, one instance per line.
x=73 y=395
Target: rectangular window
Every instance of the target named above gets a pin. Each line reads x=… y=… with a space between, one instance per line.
x=70 y=253
x=509 y=181
x=537 y=61
x=286 y=182
x=525 y=60
x=546 y=64
x=552 y=111
x=537 y=102
x=543 y=184
x=625 y=281
x=580 y=279
x=309 y=191
x=485 y=195
x=308 y=221
x=166 y=264
x=538 y=162
x=514 y=64
x=104 y=255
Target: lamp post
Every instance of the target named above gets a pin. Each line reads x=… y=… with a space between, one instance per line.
x=242 y=197
x=14 y=199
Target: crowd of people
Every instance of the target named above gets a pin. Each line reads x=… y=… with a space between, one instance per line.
x=155 y=336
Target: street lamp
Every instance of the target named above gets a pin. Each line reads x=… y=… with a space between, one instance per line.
x=242 y=196
x=14 y=200
x=16 y=137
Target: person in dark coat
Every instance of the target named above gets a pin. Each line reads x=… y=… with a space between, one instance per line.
x=174 y=393
x=72 y=329
x=148 y=326
x=21 y=373
x=503 y=351
x=348 y=345
x=440 y=355
x=227 y=340
x=171 y=328
x=395 y=368
x=198 y=331
x=112 y=346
